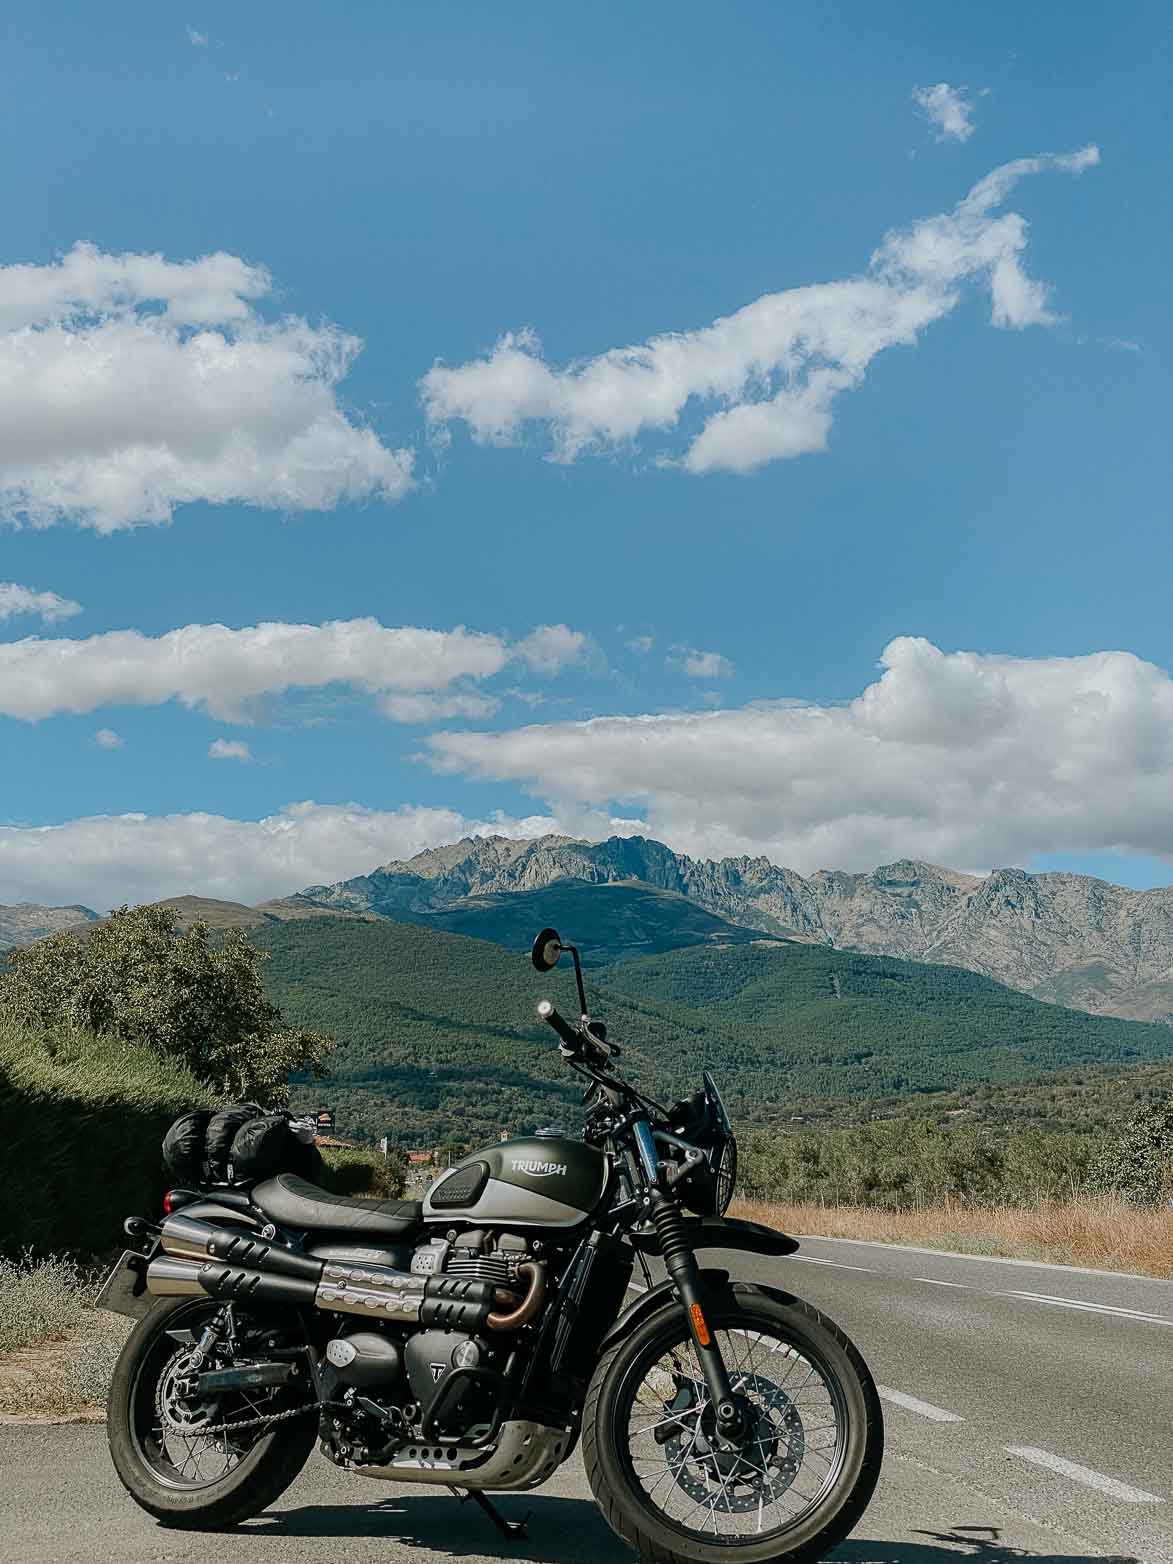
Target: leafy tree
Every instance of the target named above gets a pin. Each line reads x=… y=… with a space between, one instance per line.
x=1139 y=1166
x=137 y=977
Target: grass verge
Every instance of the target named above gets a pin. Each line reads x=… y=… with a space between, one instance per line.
x=1105 y=1234
x=57 y=1351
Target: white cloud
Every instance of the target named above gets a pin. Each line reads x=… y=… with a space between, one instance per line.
x=641 y=643
x=130 y=384
x=707 y=665
x=959 y=758
x=775 y=367
x=227 y=672
x=948 y=109
x=106 y=738
x=197 y=40
x=435 y=708
x=229 y=749
x=550 y=648
x=47 y=606
x=104 y=860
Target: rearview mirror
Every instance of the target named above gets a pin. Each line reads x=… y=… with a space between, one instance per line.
x=547 y=949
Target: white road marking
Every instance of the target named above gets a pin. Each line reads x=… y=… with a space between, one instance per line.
x=911 y=1404
x=935 y=1281
x=983 y=1259
x=1090 y=1308
x=809 y=1259
x=1083 y=1474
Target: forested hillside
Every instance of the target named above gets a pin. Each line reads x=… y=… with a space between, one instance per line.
x=438 y=1039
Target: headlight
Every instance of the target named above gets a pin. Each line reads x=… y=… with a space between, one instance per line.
x=726 y=1174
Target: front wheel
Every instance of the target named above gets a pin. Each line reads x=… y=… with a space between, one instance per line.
x=204 y=1463
x=794 y=1482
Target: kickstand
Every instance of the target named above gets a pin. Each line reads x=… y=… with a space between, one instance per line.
x=515 y=1530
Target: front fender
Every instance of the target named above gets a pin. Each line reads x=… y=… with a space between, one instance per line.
x=662 y=1296
x=719 y=1232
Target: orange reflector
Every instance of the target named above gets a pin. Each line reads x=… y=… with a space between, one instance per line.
x=699 y=1325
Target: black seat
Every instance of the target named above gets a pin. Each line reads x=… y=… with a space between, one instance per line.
x=295 y=1202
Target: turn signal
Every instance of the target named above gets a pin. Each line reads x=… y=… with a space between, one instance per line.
x=700 y=1325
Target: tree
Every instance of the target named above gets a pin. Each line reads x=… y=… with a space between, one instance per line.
x=1139 y=1166
x=136 y=976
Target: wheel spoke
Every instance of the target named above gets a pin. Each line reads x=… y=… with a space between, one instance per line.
x=787 y=1457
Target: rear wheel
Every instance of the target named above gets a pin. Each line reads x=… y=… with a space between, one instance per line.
x=794 y=1482
x=172 y=1451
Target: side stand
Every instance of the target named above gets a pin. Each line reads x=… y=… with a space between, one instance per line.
x=515 y=1530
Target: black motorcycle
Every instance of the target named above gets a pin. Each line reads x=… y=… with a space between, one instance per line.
x=467 y=1342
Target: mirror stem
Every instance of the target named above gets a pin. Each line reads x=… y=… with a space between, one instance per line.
x=582 y=1004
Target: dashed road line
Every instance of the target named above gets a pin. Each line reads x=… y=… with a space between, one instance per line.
x=911 y=1404
x=1084 y=1474
x=935 y=1281
x=809 y=1259
x=1088 y=1308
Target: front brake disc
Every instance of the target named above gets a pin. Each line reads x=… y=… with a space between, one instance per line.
x=759 y=1469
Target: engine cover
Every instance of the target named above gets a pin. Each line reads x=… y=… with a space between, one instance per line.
x=431 y=1355
x=365 y=1359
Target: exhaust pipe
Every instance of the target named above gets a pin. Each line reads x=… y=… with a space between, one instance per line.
x=239 y=1266
x=190 y=1239
x=168 y=1278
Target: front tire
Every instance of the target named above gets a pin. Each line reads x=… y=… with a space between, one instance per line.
x=805 y=1471
x=142 y=1420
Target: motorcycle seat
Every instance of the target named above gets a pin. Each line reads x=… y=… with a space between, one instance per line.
x=295 y=1202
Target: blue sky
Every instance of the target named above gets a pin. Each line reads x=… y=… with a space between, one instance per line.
x=425 y=179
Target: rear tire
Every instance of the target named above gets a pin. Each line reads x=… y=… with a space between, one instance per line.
x=754 y=1315
x=260 y=1476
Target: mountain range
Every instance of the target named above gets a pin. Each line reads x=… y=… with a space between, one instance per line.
x=1066 y=938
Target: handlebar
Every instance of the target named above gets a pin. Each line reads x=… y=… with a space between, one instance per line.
x=576 y=1040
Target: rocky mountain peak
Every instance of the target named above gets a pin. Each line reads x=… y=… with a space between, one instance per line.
x=1070 y=938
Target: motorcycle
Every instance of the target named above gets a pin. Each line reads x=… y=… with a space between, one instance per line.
x=470 y=1341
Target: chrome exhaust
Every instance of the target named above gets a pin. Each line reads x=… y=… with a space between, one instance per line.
x=168 y=1278
x=229 y=1263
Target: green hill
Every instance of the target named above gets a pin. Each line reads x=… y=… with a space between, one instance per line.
x=610 y=921
x=438 y=1039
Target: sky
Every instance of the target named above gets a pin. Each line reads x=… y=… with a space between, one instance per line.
x=745 y=425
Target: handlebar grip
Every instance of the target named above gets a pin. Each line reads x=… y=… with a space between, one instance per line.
x=568 y=1034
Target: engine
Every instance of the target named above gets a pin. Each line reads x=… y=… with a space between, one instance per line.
x=395 y=1381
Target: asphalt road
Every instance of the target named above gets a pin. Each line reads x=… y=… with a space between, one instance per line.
x=1026 y=1409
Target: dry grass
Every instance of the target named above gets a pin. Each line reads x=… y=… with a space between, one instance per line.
x=1105 y=1234
x=56 y=1350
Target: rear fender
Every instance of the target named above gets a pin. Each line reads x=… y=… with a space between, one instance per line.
x=221 y=1215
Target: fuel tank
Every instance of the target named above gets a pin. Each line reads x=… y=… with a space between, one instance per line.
x=537 y=1181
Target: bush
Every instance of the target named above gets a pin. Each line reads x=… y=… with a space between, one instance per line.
x=40 y=1299
x=83 y=1119
x=135 y=976
x=354 y=1170
x=50 y=1300
x=911 y=1163
x=1138 y=1166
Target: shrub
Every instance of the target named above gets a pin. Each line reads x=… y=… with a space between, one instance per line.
x=135 y=976
x=40 y=1299
x=83 y=1120
x=354 y=1170
x=1138 y=1166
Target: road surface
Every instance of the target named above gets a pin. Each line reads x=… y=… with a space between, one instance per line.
x=1027 y=1412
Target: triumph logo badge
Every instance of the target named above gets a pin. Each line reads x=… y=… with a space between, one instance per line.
x=438 y=1371
x=538 y=1169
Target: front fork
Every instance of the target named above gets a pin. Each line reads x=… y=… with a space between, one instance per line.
x=680 y=1263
